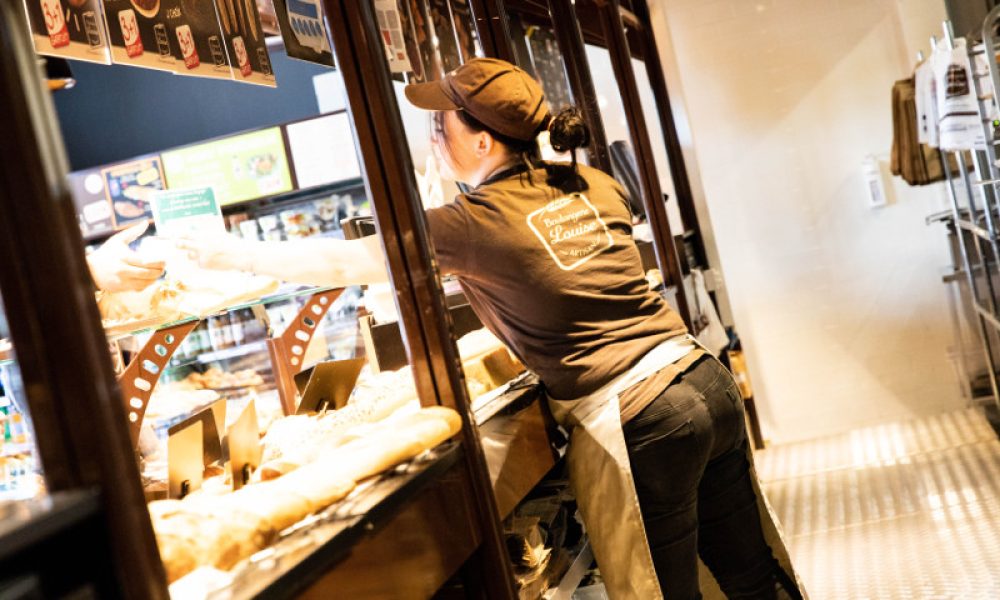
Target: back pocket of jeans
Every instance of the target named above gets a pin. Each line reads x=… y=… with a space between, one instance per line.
x=678 y=432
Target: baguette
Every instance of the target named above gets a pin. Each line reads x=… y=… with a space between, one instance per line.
x=322 y=486
x=220 y=531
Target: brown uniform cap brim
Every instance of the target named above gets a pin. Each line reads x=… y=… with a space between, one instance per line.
x=429 y=96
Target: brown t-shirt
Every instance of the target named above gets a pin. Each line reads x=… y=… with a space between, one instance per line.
x=548 y=263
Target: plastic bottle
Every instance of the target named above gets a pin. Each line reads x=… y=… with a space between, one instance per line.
x=237 y=328
x=19 y=433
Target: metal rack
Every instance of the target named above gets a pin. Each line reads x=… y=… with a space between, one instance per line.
x=978 y=227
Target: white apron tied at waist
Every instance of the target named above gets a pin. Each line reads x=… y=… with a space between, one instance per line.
x=601 y=476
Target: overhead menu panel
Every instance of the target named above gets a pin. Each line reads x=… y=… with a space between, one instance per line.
x=323 y=150
x=237 y=168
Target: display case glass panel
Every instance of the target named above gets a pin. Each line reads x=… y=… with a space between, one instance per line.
x=20 y=468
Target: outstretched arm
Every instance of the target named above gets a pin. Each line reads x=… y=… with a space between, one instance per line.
x=324 y=262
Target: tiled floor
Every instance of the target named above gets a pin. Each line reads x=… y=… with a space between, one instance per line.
x=907 y=510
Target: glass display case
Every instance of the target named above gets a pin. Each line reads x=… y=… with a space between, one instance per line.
x=20 y=471
x=264 y=444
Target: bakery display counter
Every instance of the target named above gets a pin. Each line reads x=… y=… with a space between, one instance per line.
x=325 y=552
x=519 y=437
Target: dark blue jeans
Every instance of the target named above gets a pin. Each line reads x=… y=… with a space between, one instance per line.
x=687 y=450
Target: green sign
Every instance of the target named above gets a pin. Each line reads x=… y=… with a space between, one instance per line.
x=238 y=168
x=179 y=212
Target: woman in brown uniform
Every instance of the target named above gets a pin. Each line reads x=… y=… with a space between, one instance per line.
x=545 y=254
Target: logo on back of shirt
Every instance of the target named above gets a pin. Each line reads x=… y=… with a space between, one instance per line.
x=571 y=230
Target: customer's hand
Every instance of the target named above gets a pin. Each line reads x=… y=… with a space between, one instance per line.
x=117 y=268
x=218 y=252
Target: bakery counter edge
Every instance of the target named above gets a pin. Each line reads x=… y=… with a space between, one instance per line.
x=520 y=439
x=411 y=529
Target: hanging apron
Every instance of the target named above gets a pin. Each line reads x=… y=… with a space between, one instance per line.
x=601 y=479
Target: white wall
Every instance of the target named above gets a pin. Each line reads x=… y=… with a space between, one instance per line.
x=841 y=308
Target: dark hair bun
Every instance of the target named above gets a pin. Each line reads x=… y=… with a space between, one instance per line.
x=568 y=131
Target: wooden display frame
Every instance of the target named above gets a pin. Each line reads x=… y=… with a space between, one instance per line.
x=288 y=350
x=140 y=377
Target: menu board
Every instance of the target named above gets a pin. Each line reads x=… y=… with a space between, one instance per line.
x=319 y=152
x=129 y=188
x=199 y=47
x=68 y=28
x=139 y=32
x=303 y=29
x=93 y=209
x=245 y=41
x=238 y=168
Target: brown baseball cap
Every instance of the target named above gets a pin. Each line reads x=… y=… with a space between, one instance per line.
x=496 y=93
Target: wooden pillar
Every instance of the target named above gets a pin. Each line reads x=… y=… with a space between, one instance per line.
x=399 y=215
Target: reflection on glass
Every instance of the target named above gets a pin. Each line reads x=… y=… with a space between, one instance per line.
x=616 y=123
x=20 y=470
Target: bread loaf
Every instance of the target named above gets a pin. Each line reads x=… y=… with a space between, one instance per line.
x=220 y=531
x=501 y=366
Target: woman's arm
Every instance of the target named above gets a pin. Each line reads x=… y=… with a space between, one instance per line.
x=323 y=262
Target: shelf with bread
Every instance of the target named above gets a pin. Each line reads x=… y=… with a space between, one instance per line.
x=319 y=448
x=335 y=534
x=6 y=351
x=320 y=476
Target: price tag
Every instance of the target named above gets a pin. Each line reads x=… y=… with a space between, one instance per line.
x=210 y=427
x=328 y=385
x=243 y=442
x=185 y=463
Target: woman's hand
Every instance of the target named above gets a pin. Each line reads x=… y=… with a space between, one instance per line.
x=218 y=252
x=117 y=268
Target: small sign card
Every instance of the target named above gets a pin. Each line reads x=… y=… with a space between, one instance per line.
x=185 y=463
x=180 y=212
x=243 y=441
x=328 y=385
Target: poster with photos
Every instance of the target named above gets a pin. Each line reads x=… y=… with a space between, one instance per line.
x=303 y=29
x=139 y=34
x=245 y=43
x=68 y=28
x=93 y=209
x=129 y=188
x=390 y=27
x=199 y=47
